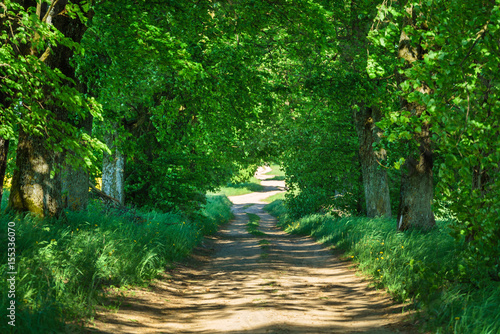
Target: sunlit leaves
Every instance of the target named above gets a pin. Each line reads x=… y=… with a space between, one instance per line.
x=460 y=68
x=31 y=89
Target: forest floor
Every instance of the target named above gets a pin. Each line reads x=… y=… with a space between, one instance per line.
x=265 y=282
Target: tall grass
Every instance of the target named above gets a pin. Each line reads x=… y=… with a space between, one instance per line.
x=427 y=269
x=62 y=265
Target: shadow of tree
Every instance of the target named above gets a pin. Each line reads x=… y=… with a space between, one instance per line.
x=298 y=287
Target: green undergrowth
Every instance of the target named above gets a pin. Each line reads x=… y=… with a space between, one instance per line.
x=63 y=265
x=426 y=269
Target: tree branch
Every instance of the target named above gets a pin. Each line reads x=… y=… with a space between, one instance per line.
x=44 y=19
x=104 y=195
x=46 y=53
x=480 y=35
x=381 y=164
x=39 y=8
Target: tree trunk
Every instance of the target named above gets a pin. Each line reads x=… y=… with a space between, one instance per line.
x=33 y=188
x=75 y=184
x=4 y=150
x=36 y=185
x=360 y=193
x=113 y=171
x=75 y=180
x=417 y=190
x=375 y=183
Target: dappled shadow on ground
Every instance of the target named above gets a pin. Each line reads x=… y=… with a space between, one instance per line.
x=239 y=283
x=279 y=328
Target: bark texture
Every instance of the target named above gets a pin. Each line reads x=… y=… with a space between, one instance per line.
x=375 y=183
x=75 y=180
x=37 y=183
x=4 y=150
x=75 y=183
x=417 y=190
x=113 y=171
x=33 y=187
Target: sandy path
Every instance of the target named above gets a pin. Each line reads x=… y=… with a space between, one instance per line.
x=273 y=283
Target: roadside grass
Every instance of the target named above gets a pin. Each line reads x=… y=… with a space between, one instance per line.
x=64 y=265
x=425 y=269
x=252 y=185
x=279 y=174
x=278 y=196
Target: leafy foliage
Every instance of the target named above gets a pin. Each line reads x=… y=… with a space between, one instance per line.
x=65 y=264
x=196 y=94
x=182 y=92
x=32 y=91
x=321 y=165
x=460 y=71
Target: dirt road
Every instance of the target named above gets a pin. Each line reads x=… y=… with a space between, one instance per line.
x=270 y=282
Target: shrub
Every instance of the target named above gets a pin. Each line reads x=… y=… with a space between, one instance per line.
x=62 y=265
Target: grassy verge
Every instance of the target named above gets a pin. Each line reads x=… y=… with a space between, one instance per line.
x=252 y=185
x=278 y=173
x=63 y=265
x=424 y=268
x=278 y=196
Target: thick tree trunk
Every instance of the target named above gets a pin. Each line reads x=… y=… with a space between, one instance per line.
x=33 y=187
x=375 y=183
x=4 y=150
x=75 y=183
x=75 y=180
x=417 y=190
x=36 y=186
x=113 y=171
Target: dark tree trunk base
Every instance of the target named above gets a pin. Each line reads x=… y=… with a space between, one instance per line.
x=375 y=183
x=417 y=192
x=33 y=188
